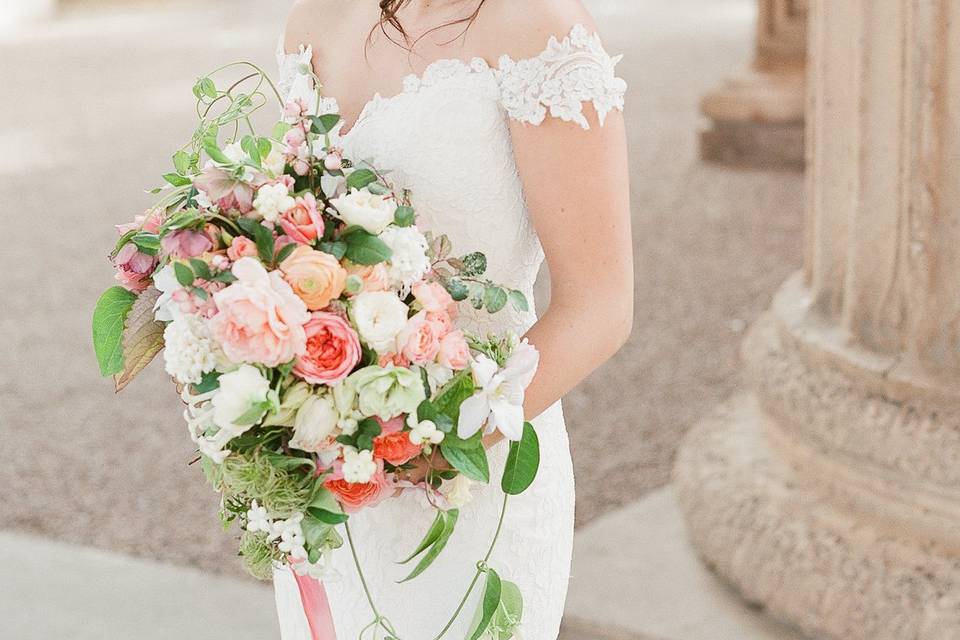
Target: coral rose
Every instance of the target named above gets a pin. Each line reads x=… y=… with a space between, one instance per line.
x=259 y=319
x=454 y=351
x=315 y=276
x=302 y=222
x=396 y=448
x=240 y=247
x=354 y=496
x=420 y=339
x=333 y=350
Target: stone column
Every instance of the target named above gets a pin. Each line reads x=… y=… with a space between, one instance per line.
x=757 y=116
x=829 y=493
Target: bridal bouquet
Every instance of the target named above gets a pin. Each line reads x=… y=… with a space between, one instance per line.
x=311 y=329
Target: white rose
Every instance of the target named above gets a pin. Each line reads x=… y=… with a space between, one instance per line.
x=236 y=402
x=358 y=466
x=457 y=491
x=409 y=261
x=364 y=209
x=272 y=200
x=316 y=420
x=380 y=316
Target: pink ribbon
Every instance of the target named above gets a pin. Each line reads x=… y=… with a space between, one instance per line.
x=316 y=606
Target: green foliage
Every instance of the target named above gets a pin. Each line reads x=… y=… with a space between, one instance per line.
x=365 y=248
x=362 y=438
x=470 y=461
x=360 y=178
x=108 y=322
x=489 y=604
x=184 y=273
x=324 y=124
x=434 y=543
x=495 y=299
x=518 y=300
x=258 y=554
x=457 y=289
x=429 y=411
x=474 y=264
x=506 y=619
x=523 y=462
x=453 y=393
x=404 y=216
x=281 y=491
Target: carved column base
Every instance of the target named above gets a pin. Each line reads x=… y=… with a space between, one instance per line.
x=845 y=536
x=757 y=120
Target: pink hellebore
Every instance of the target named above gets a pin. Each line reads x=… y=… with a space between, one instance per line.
x=134 y=268
x=226 y=190
x=186 y=244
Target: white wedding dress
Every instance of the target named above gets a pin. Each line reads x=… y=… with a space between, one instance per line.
x=446 y=138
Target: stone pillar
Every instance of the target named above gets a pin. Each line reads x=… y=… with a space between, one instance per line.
x=829 y=493
x=757 y=116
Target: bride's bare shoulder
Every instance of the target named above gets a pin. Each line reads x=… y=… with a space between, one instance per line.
x=307 y=17
x=528 y=25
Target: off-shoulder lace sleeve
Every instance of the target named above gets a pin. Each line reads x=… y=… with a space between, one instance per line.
x=568 y=73
x=295 y=82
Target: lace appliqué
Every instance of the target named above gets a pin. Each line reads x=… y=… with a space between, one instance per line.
x=563 y=77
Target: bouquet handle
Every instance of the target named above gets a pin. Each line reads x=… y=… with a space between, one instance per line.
x=316 y=607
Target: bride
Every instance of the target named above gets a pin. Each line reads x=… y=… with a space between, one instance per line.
x=504 y=119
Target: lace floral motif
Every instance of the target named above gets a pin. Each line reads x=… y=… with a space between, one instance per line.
x=446 y=137
x=561 y=79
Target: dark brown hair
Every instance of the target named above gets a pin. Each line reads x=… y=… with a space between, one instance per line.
x=388 y=16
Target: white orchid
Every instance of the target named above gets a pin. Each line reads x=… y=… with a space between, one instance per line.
x=499 y=398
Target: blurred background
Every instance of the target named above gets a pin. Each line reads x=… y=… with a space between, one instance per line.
x=99 y=506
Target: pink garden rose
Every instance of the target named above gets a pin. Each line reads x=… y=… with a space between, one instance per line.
x=134 y=268
x=354 y=496
x=419 y=341
x=434 y=298
x=186 y=243
x=302 y=222
x=259 y=318
x=454 y=351
x=240 y=247
x=375 y=277
x=333 y=350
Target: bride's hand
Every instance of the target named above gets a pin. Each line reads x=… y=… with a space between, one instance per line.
x=423 y=466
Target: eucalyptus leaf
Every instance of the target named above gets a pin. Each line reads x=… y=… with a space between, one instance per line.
x=457 y=289
x=474 y=264
x=108 y=324
x=523 y=462
x=495 y=299
x=518 y=300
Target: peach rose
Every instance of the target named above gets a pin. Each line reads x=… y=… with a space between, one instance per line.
x=333 y=350
x=454 y=351
x=355 y=496
x=302 y=222
x=441 y=319
x=315 y=276
x=395 y=359
x=396 y=448
x=240 y=247
x=434 y=298
x=375 y=277
x=419 y=341
x=259 y=319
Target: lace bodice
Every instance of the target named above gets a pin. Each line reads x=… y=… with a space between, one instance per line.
x=446 y=137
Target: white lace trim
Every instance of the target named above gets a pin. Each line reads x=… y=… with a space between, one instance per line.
x=563 y=77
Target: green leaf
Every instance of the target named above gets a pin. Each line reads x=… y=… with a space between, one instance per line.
x=316 y=534
x=452 y=395
x=470 y=462
x=518 y=300
x=182 y=161
x=433 y=534
x=328 y=517
x=360 y=178
x=253 y=414
x=404 y=216
x=429 y=411
x=365 y=248
x=489 y=604
x=212 y=150
x=474 y=264
x=457 y=289
x=265 y=243
x=176 y=179
x=279 y=130
x=208 y=88
x=108 y=318
x=449 y=523
x=146 y=242
x=225 y=277
x=523 y=461
x=495 y=299
x=324 y=124
x=184 y=274
x=508 y=616
x=285 y=252
x=142 y=338
x=208 y=383
x=337 y=249
x=201 y=268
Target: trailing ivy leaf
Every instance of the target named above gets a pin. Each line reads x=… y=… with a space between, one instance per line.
x=142 y=338
x=181 y=220
x=365 y=248
x=147 y=242
x=201 y=268
x=433 y=534
x=184 y=274
x=208 y=88
x=279 y=130
x=470 y=462
x=489 y=604
x=182 y=162
x=212 y=150
x=449 y=523
x=523 y=462
x=457 y=289
x=285 y=252
x=495 y=299
x=176 y=179
x=249 y=144
x=360 y=178
x=324 y=124
x=108 y=322
x=328 y=517
x=518 y=300
x=474 y=264
x=404 y=216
